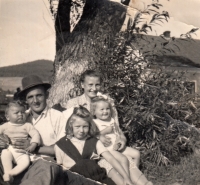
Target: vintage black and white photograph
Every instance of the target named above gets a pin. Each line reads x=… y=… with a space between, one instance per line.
x=99 y=92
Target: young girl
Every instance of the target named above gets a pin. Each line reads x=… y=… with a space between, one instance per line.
x=79 y=151
x=17 y=128
x=101 y=111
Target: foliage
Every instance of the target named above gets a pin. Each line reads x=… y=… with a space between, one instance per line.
x=144 y=98
x=187 y=172
x=148 y=101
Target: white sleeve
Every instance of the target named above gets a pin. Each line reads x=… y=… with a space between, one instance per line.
x=59 y=154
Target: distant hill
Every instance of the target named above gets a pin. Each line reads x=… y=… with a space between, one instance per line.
x=42 y=68
x=185 y=51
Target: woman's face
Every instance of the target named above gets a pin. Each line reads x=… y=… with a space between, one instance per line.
x=80 y=128
x=91 y=86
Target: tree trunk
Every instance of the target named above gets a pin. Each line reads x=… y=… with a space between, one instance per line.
x=85 y=47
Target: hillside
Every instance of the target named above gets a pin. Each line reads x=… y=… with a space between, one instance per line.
x=185 y=51
x=42 y=68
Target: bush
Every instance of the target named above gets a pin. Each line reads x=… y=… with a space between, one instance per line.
x=147 y=100
x=151 y=101
x=147 y=103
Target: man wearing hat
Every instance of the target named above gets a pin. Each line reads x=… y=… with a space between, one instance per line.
x=50 y=123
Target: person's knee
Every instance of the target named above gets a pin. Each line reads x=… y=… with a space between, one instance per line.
x=124 y=160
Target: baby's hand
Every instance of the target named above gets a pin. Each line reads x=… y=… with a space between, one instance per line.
x=121 y=143
x=116 y=146
x=32 y=147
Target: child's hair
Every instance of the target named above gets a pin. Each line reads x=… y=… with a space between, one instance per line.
x=83 y=113
x=14 y=103
x=90 y=73
x=94 y=102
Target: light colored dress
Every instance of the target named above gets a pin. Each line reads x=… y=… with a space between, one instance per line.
x=104 y=124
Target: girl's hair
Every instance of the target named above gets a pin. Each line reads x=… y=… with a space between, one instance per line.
x=95 y=101
x=15 y=103
x=91 y=73
x=83 y=113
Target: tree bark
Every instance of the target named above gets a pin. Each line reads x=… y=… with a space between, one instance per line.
x=84 y=47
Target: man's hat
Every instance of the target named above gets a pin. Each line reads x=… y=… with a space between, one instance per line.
x=32 y=81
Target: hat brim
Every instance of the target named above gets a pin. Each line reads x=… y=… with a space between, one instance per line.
x=22 y=93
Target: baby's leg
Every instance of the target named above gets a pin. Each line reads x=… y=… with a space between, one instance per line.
x=122 y=159
x=22 y=163
x=7 y=158
x=134 y=154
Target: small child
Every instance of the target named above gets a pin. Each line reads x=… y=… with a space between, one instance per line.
x=79 y=150
x=17 y=128
x=101 y=111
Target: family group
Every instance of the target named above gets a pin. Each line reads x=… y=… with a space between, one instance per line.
x=82 y=145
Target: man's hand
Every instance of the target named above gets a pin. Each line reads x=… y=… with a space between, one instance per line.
x=105 y=140
x=20 y=143
x=4 y=141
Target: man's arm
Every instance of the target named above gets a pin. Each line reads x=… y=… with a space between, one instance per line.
x=22 y=144
x=4 y=141
x=45 y=150
x=107 y=130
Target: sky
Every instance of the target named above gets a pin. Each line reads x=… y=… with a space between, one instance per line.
x=184 y=15
x=27 y=28
x=26 y=31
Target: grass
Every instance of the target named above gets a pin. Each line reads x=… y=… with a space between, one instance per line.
x=185 y=173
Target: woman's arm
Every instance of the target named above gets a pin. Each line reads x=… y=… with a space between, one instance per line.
x=107 y=130
x=110 y=158
x=122 y=139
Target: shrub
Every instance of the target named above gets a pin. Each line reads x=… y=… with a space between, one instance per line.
x=148 y=101
x=151 y=102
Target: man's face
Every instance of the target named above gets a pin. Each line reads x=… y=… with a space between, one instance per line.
x=16 y=114
x=91 y=86
x=36 y=99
